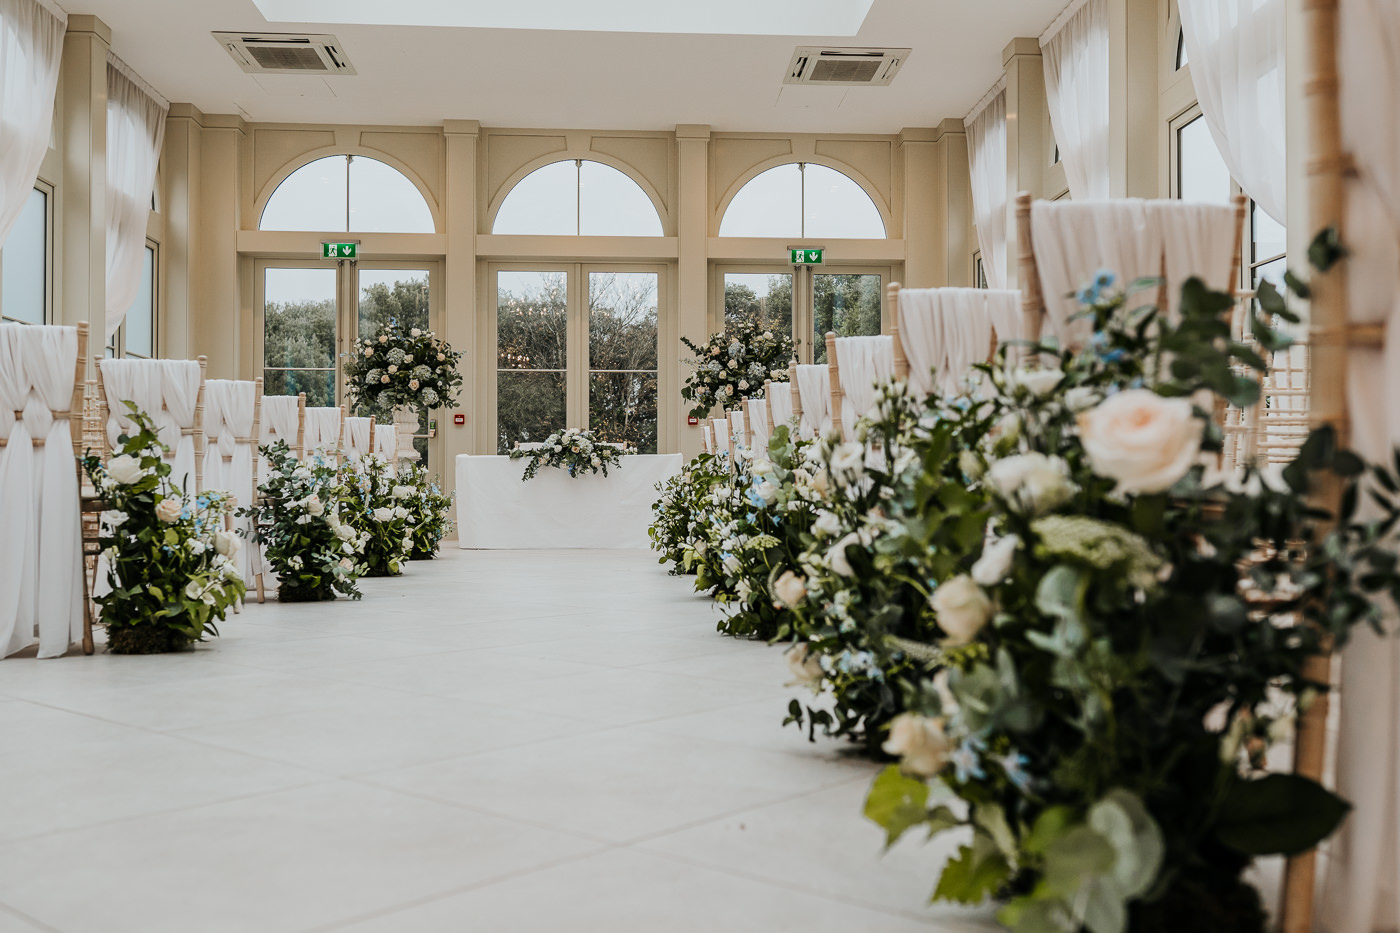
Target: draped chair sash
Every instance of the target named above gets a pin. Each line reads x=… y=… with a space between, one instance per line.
x=757 y=411
x=168 y=392
x=229 y=406
x=814 y=387
x=357 y=437
x=863 y=362
x=921 y=333
x=780 y=395
x=17 y=557
x=323 y=430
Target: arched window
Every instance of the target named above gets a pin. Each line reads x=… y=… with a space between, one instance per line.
x=802 y=199
x=577 y=197
x=350 y=194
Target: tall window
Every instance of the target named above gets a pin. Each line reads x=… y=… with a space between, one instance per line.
x=622 y=336
x=802 y=199
x=299 y=326
x=532 y=343
x=139 y=326
x=577 y=197
x=345 y=194
x=763 y=299
x=844 y=304
x=1201 y=174
x=24 y=264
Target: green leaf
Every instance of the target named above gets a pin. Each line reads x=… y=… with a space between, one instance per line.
x=1049 y=826
x=992 y=818
x=1297 y=285
x=1076 y=856
x=1122 y=819
x=1281 y=814
x=896 y=802
x=974 y=874
x=1326 y=249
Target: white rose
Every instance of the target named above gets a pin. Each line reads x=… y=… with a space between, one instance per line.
x=116 y=517
x=995 y=563
x=558 y=448
x=827 y=523
x=302 y=472
x=226 y=543
x=848 y=458
x=345 y=533
x=124 y=469
x=314 y=505
x=1142 y=440
x=402 y=492
x=198 y=547
x=804 y=665
x=790 y=589
x=920 y=743
x=836 y=557
x=369 y=351
x=962 y=608
x=168 y=510
x=1081 y=397
x=384 y=515
x=1039 y=382
x=596 y=462
x=744 y=589
x=971 y=465
x=731 y=564
x=400 y=512
x=347 y=564
x=1033 y=482
x=415 y=332
x=192 y=590
x=393 y=368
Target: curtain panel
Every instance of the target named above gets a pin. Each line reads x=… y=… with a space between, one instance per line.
x=1074 y=53
x=31 y=48
x=986 y=156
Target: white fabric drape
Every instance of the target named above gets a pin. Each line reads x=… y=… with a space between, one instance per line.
x=135 y=132
x=736 y=427
x=756 y=409
x=709 y=437
x=1074 y=52
x=862 y=363
x=168 y=392
x=1131 y=238
x=1008 y=321
x=986 y=156
x=356 y=437
x=1237 y=49
x=781 y=395
x=31 y=47
x=228 y=457
x=16 y=495
x=323 y=431
x=814 y=388
x=1362 y=887
x=921 y=335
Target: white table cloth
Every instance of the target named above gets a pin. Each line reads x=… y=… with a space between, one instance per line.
x=495 y=509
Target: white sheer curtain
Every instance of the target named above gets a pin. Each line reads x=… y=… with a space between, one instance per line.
x=1237 y=49
x=1074 y=52
x=135 y=131
x=986 y=156
x=31 y=47
x=1362 y=888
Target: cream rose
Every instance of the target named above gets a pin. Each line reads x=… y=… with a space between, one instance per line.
x=962 y=607
x=402 y=492
x=384 y=515
x=1034 y=483
x=849 y=458
x=314 y=505
x=836 y=556
x=226 y=543
x=920 y=743
x=827 y=524
x=790 y=589
x=804 y=665
x=1038 y=382
x=124 y=469
x=995 y=563
x=1142 y=440
x=168 y=510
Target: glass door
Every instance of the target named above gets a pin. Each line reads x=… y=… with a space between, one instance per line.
x=846 y=303
x=385 y=293
x=299 y=305
x=803 y=301
x=532 y=355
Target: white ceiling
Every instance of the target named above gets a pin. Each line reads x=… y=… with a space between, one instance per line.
x=415 y=75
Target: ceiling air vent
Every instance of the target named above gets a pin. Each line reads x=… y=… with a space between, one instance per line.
x=285 y=54
x=844 y=67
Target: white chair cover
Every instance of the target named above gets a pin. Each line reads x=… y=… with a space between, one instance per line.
x=708 y=435
x=723 y=434
x=528 y=445
x=757 y=412
x=814 y=388
x=1008 y=320
x=323 y=431
x=736 y=426
x=17 y=557
x=278 y=423
x=863 y=362
x=385 y=440
x=228 y=457
x=781 y=395
x=357 y=437
x=1133 y=239
x=168 y=392
x=921 y=333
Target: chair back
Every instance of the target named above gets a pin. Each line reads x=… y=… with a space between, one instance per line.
x=357 y=436
x=325 y=432
x=858 y=365
x=171 y=394
x=812 y=391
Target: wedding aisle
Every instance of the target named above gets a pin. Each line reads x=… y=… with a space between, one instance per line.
x=497 y=741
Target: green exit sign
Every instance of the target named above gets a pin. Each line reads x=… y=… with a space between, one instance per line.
x=806 y=257
x=339 y=250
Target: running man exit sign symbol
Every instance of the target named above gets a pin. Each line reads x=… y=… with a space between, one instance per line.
x=806 y=257
x=339 y=250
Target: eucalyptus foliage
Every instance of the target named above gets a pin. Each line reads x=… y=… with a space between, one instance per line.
x=376 y=506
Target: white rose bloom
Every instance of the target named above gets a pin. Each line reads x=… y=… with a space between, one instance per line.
x=347 y=548
x=304 y=520
x=1081 y=397
x=790 y=589
x=302 y=472
x=116 y=517
x=124 y=470
x=836 y=556
x=848 y=458
x=962 y=608
x=1033 y=482
x=995 y=563
x=596 y=462
x=731 y=564
x=1039 y=382
x=198 y=547
x=1142 y=440
x=804 y=665
x=762 y=467
x=971 y=465
x=920 y=743
x=400 y=512
x=347 y=564
x=744 y=590
x=314 y=505
x=168 y=510
x=192 y=590
x=384 y=515
x=827 y=523
x=558 y=448
x=226 y=543
x=415 y=332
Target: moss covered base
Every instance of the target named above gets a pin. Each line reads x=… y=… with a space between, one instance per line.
x=145 y=639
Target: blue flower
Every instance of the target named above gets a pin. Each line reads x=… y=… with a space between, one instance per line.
x=1104 y=278
x=967 y=763
x=1014 y=765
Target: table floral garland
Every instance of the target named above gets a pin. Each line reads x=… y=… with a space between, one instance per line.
x=1047 y=601
x=733 y=365
x=577 y=451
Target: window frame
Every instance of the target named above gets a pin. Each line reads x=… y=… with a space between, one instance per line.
x=578 y=160
x=49 y=192
x=382 y=158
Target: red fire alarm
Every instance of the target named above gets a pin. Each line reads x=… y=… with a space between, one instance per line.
x=459 y=419
x=692 y=420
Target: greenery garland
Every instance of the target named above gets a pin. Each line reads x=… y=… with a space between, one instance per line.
x=374 y=503
x=401 y=368
x=169 y=560
x=733 y=365
x=574 y=450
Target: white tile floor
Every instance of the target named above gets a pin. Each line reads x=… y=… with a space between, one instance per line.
x=495 y=742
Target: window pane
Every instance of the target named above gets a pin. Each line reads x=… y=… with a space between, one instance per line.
x=838 y=207
x=311 y=198
x=318 y=384
x=392 y=295
x=622 y=320
x=23 y=275
x=762 y=298
x=382 y=199
x=611 y=204
x=622 y=408
x=770 y=204
x=1202 y=175
x=1270 y=237
x=1272 y=271
x=544 y=202
x=299 y=319
x=140 y=317
x=1180 y=48
x=531 y=320
x=848 y=305
x=529 y=406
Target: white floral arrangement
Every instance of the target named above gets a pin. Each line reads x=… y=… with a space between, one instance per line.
x=572 y=449
x=733 y=365
x=402 y=367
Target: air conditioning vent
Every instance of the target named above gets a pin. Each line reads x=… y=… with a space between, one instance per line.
x=285 y=54
x=845 y=67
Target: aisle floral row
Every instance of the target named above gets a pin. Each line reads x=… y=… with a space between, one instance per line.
x=169 y=557
x=1077 y=633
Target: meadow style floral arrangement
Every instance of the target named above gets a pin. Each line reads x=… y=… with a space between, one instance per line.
x=1077 y=632
x=169 y=559
x=375 y=504
x=429 y=510
x=315 y=554
x=574 y=450
x=733 y=365
x=401 y=368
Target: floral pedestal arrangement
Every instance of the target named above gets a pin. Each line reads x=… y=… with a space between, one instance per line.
x=402 y=371
x=405 y=427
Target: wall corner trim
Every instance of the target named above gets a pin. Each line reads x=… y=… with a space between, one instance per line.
x=86 y=22
x=1021 y=45
x=919 y=134
x=182 y=111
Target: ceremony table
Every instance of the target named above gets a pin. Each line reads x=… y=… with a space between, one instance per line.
x=495 y=509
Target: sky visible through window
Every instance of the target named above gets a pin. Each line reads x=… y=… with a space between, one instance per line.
x=802 y=200
x=577 y=197
x=347 y=194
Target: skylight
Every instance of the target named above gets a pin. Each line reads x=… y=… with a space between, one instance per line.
x=714 y=17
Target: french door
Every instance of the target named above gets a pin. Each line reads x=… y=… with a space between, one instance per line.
x=803 y=301
x=576 y=346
